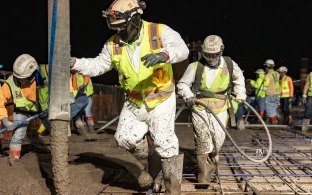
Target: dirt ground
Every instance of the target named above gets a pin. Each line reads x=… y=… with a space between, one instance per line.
x=91 y=164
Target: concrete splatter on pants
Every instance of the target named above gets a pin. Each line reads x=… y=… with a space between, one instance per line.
x=203 y=131
x=135 y=122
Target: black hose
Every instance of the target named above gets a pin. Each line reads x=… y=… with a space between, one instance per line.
x=269 y=152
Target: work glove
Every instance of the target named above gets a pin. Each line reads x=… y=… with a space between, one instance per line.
x=151 y=59
x=304 y=99
x=190 y=102
x=82 y=88
x=72 y=62
x=8 y=124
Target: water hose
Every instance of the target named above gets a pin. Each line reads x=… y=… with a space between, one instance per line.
x=269 y=151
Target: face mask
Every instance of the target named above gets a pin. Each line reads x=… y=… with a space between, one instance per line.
x=213 y=60
x=132 y=31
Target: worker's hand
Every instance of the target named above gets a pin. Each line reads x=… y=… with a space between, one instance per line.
x=82 y=88
x=152 y=59
x=72 y=62
x=8 y=124
x=190 y=102
x=239 y=101
x=304 y=99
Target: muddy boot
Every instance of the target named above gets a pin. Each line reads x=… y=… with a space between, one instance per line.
x=289 y=120
x=305 y=124
x=241 y=124
x=172 y=169
x=14 y=154
x=82 y=130
x=205 y=168
x=90 y=123
x=273 y=120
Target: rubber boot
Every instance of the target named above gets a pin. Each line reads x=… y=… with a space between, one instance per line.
x=14 y=153
x=262 y=114
x=205 y=168
x=305 y=124
x=273 y=120
x=82 y=129
x=289 y=120
x=90 y=123
x=172 y=172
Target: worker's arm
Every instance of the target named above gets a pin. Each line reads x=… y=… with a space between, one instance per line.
x=95 y=66
x=306 y=86
x=5 y=98
x=173 y=45
x=238 y=80
x=291 y=87
x=185 y=83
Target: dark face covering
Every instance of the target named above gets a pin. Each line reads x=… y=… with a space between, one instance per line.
x=132 y=31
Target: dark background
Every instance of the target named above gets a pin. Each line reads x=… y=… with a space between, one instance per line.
x=252 y=30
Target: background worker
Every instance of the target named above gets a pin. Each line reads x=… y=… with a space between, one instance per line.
x=143 y=52
x=88 y=110
x=287 y=92
x=272 y=91
x=259 y=93
x=208 y=81
x=307 y=101
x=21 y=89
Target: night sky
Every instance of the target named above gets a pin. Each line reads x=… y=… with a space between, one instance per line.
x=252 y=30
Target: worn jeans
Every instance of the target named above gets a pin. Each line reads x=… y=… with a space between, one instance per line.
x=271 y=103
x=79 y=105
x=261 y=103
x=88 y=109
x=308 y=108
x=285 y=105
x=20 y=132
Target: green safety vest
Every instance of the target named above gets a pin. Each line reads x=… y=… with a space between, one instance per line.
x=219 y=84
x=284 y=86
x=80 y=81
x=259 y=86
x=271 y=83
x=43 y=92
x=310 y=86
x=19 y=100
x=149 y=86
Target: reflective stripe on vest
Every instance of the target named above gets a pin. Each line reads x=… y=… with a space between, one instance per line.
x=310 y=86
x=149 y=86
x=20 y=101
x=285 y=89
x=273 y=88
x=219 y=84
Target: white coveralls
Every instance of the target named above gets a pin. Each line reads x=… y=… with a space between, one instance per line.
x=135 y=122
x=204 y=133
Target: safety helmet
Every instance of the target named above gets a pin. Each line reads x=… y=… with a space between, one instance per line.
x=269 y=63
x=121 y=11
x=24 y=66
x=259 y=71
x=282 y=69
x=212 y=44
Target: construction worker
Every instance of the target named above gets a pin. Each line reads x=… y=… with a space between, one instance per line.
x=259 y=93
x=307 y=101
x=79 y=101
x=272 y=91
x=208 y=80
x=287 y=92
x=21 y=89
x=88 y=110
x=143 y=52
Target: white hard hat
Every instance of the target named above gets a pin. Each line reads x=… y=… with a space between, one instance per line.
x=282 y=69
x=24 y=66
x=269 y=63
x=122 y=10
x=259 y=71
x=213 y=44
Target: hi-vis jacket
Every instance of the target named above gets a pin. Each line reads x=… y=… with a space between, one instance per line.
x=258 y=85
x=287 y=87
x=271 y=83
x=149 y=86
x=310 y=84
x=24 y=97
x=214 y=80
x=77 y=80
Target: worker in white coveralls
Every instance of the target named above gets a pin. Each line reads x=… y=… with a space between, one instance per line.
x=208 y=81
x=143 y=52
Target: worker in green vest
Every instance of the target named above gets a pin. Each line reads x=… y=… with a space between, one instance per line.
x=272 y=91
x=209 y=81
x=88 y=110
x=22 y=90
x=260 y=93
x=307 y=101
x=143 y=52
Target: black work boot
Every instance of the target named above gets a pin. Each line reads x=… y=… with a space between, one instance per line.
x=172 y=169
